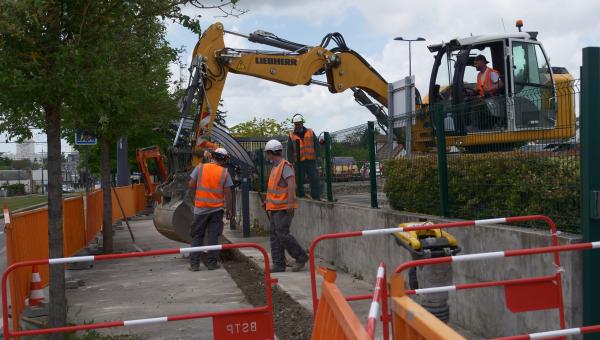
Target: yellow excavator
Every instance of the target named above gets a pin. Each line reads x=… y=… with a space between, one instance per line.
x=536 y=102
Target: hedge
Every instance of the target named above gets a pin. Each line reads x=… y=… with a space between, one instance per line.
x=490 y=185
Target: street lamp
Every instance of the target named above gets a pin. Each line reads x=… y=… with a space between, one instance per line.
x=409 y=51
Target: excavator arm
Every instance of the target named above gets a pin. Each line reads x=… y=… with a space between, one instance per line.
x=297 y=64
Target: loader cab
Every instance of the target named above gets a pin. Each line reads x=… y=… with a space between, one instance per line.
x=525 y=101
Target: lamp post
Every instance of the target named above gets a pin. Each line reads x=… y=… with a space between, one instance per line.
x=409 y=50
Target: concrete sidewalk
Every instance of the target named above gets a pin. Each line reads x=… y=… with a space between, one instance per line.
x=297 y=285
x=151 y=287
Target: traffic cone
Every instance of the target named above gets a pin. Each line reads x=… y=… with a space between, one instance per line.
x=36 y=296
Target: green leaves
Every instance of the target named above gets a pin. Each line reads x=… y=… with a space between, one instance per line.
x=490 y=185
x=260 y=127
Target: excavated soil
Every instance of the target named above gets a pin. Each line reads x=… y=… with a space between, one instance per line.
x=292 y=321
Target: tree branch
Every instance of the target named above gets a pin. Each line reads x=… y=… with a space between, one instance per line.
x=227 y=8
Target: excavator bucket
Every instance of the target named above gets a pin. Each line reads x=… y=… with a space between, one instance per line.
x=174 y=215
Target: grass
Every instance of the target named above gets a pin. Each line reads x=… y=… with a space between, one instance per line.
x=19 y=202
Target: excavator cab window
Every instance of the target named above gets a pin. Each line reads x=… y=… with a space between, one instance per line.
x=533 y=87
x=487 y=113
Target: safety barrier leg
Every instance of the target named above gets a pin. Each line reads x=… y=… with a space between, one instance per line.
x=263 y=315
x=459 y=224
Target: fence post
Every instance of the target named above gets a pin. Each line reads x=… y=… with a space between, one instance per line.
x=442 y=162
x=372 y=166
x=390 y=134
x=590 y=182
x=299 y=172
x=261 y=168
x=245 y=201
x=328 y=172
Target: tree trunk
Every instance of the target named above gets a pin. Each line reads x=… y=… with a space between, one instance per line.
x=107 y=239
x=57 y=306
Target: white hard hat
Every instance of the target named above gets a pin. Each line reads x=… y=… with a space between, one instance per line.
x=297 y=118
x=273 y=145
x=221 y=151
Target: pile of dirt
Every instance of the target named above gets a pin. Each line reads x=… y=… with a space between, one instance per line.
x=292 y=321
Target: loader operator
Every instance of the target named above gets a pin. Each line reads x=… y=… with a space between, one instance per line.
x=488 y=79
x=309 y=152
x=488 y=85
x=212 y=184
x=281 y=202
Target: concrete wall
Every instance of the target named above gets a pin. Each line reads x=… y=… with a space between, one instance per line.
x=482 y=311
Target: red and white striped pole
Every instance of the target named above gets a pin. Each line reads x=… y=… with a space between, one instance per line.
x=268 y=308
x=497 y=254
x=387 y=231
x=555 y=334
x=377 y=296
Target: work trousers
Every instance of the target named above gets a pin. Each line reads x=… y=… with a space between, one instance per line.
x=309 y=169
x=211 y=224
x=282 y=240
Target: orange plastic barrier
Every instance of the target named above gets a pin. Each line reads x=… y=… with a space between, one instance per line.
x=335 y=319
x=127 y=199
x=27 y=239
x=94 y=207
x=411 y=321
x=139 y=192
x=74 y=237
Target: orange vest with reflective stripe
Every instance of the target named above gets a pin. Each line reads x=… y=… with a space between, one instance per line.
x=277 y=196
x=307 y=146
x=209 y=186
x=485 y=85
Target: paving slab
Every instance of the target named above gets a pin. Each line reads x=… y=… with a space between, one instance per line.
x=151 y=287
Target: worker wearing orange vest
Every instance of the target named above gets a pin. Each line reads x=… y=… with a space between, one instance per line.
x=309 y=153
x=212 y=184
x=488 y=79
x=281 y=203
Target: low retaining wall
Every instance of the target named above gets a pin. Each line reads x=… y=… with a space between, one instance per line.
x=482 y=311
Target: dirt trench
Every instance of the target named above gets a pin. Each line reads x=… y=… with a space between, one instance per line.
x=292 y=321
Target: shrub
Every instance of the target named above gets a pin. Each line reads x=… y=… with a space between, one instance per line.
x=490 y=185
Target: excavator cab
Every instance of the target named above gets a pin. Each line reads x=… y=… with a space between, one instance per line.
x=524 y=108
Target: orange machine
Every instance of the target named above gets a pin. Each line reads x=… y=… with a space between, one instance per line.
x=142 y=155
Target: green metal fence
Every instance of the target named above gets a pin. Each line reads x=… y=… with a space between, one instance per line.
x=500 y=157
x=487 y=157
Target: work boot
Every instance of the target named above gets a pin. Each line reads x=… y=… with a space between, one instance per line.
x=213 y=266
x=277 y=269
x=298 y=266
x=194 y=268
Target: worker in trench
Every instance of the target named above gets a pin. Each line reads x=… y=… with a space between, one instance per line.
x=211 y=184
x=281 y=203
x=309 y=153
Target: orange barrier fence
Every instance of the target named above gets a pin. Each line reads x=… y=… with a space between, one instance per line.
x=335 y=319
x=27 y=235
x=411 y=321
x=26 y=239
x=139 y=192
x=74 y=233
x=93 y=223
x=132 y=199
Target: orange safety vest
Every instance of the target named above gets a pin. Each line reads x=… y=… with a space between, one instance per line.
x=307 y=147
x=277 y=196
x=209 y=186
x=485 y=85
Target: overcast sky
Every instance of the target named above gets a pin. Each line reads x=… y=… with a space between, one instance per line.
x=564 y=27
x=369 y=28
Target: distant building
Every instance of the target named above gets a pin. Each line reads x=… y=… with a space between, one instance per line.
x=39 y=179
x=70 y=169
x=8 y=177
x=26 y=150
